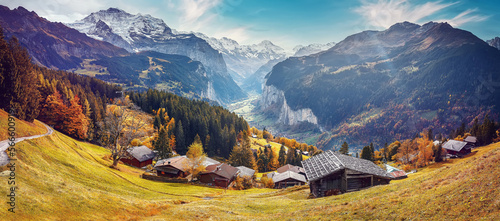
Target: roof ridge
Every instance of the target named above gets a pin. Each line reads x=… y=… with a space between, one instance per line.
x=340 y=162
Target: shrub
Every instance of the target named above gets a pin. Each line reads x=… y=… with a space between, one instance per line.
x=243 y=183
x=268 y=183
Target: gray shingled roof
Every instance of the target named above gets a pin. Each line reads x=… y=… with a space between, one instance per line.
x=224 y=170
x=329 y=162
x=454 y=145
x=288 y=174
x=289 y=167
x=206 y=162
x=470 y=139
x=245 y=171
x=141 y=153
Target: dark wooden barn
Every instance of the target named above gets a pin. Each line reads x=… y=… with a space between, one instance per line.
x=287 y=179
x=332 y=172
x=457 y=148
x=140 y=156
x=220 y=175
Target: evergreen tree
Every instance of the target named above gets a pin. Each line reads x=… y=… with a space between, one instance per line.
x=179 y=134
x=344 y=149
x=282 y=156
x=162 y=144
x=366 y=153
x=437 y=153
x=262 y=162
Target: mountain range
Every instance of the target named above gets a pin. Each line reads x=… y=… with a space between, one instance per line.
x=51 y=44
x=244 y=60
x=139 y=32
x=391 y=83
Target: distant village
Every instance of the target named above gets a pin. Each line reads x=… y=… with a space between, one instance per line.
x=327 y=173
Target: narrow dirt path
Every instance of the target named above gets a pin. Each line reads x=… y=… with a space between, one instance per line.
x=4 y=159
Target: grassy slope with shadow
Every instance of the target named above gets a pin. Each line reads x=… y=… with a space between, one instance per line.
x=59 y=178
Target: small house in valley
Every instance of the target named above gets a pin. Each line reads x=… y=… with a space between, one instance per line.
x=287 y=179
x=332 y=172
x=245 y=171
x=139 y=156
x=220 y=175
x=457 y=148
x=174 y=167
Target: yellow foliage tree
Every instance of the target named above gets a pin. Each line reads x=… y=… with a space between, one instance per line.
x=196 y=157
x=425 y=147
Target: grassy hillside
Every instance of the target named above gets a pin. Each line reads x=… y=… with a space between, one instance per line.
x=23 y=128
x=59 y=179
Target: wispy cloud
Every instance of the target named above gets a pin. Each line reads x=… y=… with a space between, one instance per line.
x=465 y=17
x=197 y=11
x=384 y=13
x=240 y=34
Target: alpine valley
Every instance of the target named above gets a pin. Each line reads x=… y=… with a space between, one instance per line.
x=375 y=86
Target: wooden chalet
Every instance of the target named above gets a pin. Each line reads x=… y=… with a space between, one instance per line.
x=220 y=175
x=174 y=167
x=457 y=148
x=139 y=156
x=292 y=168
x=287 y=179
x=332 y=172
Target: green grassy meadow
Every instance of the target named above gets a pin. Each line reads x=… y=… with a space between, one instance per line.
x=59 y=178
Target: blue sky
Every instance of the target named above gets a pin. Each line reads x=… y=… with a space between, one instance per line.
x=287 y=23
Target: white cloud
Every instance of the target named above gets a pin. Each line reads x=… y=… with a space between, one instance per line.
x=465 y=17
x=239 y=34
x=384 y=13
x=197 y=12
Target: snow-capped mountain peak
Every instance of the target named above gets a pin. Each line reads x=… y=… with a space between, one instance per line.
x=123 y=24
x=301 y=50
x=243 y=60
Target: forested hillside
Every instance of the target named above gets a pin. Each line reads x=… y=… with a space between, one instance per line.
x=70 y=103
x=216 y=126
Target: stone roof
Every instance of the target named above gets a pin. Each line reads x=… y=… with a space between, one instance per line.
x=206 y=162
x=245 y=171
x=454 y=145
x=141 y=153
x=178 y=162
x=470 y=139
x=289 y=174
x=329 y=162
x=289 y=167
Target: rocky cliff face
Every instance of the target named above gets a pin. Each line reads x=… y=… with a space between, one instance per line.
x=274 y=100
x=145 y=33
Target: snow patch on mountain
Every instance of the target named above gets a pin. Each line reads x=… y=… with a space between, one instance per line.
x=301 y=50
x=244 y=60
